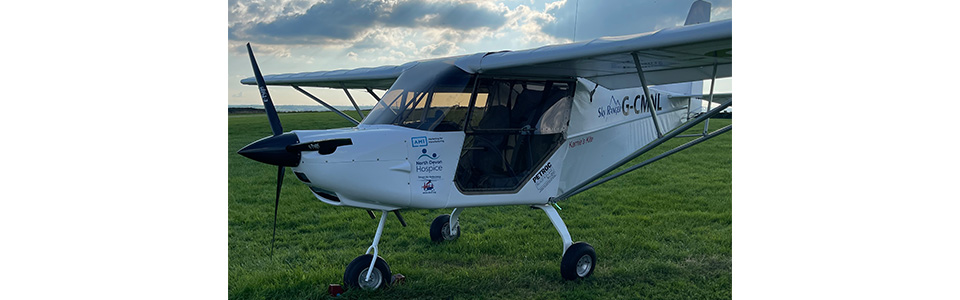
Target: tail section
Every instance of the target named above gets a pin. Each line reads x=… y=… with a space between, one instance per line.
x=699 y=13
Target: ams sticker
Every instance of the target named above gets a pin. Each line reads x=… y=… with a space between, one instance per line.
x=423 y=141
x=418 y=141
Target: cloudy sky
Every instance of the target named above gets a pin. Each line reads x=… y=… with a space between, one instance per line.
x=314 y=35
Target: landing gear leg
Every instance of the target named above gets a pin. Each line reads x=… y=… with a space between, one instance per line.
x=446 y=227
x=369 y=271
x=579 y=259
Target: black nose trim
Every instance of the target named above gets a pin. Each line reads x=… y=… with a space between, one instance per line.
x=273 y=150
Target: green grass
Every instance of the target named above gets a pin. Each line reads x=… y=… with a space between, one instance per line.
x=661 y=232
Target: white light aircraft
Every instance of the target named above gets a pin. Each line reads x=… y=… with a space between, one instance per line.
x=526 y=128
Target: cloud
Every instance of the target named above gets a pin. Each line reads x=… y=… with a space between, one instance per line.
x=417 y=28
x=536 y=25
x=455 y=15
x=337 y=19
x=721 y=12
x=349 y=20
x=444 y=48
x=598 y=18
x=240 y=49
x=562 y=21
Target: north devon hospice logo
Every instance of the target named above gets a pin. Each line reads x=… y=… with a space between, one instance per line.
x=429 y=163
x=425 y=155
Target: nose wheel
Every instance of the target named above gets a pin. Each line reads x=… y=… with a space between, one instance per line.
x=356 y=274
x=365 y=272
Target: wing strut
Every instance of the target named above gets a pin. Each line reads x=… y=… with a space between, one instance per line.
x=331 y=108
x=351 y=100
x=647 y=95
x=706 y=124
x=656 y=158
x=587 y=184
x=372 y=94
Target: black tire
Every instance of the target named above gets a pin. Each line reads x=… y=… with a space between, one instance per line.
x=357 y=270
x=578 y=262
x=440 y=230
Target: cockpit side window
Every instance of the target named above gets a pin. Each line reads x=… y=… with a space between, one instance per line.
x=431 y=96
x=439 y=109
x=448 y=111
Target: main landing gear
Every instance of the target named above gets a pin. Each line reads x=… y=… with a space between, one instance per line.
x=371 y=272
x=578 y=260
x=446 y=227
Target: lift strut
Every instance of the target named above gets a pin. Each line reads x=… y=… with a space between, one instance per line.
x=351 y=100
x=331 y=108
x=587 y=184
x=647 y=95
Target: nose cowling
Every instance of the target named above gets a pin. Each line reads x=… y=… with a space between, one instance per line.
x=273 y=150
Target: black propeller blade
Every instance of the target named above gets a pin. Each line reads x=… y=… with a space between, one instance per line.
x=276 y=207
x=277 y=130
x=265 y=95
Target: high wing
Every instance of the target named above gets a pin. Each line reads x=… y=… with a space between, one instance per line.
x=375 y=78
x=678 y=54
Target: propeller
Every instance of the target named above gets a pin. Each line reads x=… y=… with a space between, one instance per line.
x=276 y=207
x=265 y=95
x=277 y=131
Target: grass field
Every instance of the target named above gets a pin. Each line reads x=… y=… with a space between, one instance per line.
x=661 y=232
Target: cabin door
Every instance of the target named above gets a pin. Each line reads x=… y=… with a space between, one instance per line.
x=513 y=127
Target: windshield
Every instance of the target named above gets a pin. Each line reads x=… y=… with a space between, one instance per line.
x=429 y=96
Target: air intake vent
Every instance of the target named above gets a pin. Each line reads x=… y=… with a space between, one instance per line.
x=325 y=194
x=302 y=177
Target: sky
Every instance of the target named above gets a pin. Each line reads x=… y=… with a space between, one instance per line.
x=312 y=35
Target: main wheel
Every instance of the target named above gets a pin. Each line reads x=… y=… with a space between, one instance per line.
x=578 y=262
x=356 y=273
x=440 y=229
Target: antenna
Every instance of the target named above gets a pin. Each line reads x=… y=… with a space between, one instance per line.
x=576 y=14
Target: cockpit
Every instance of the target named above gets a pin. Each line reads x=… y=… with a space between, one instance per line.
x=511 y=126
